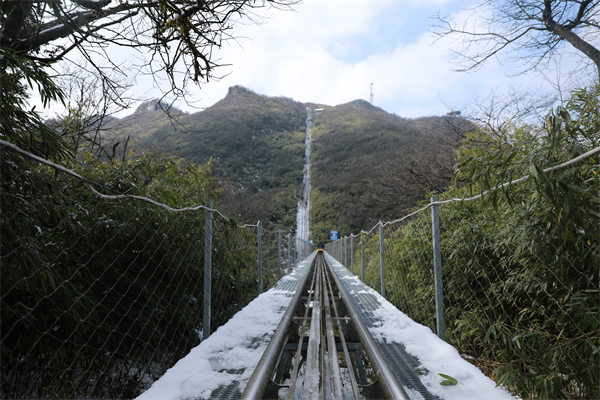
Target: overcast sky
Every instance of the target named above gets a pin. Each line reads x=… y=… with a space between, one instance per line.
x=331 y=51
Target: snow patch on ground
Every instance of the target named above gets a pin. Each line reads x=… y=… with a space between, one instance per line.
x=436 y=356
x=235 y=347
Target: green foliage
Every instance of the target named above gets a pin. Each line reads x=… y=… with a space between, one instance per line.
x=521 y=266
x=99 y=298
x=351 y=144
x=103 y=287
x=448 y=380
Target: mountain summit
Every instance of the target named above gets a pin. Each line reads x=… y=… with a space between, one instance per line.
x=256 y=143
x=151 y=106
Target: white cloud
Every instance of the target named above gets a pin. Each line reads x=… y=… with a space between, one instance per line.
x=330 y=51
x=296 y=54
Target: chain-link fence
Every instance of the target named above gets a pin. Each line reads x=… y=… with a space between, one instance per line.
x=517 y=300
x=99 y=297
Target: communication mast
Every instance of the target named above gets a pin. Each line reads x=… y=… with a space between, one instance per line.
x=371 y=101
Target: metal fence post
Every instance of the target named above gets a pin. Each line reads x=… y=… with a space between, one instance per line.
x=293 y=251
x=351 y=253
x=437 y=268
x=207 y=272
x=346 y=251
x=259 y=257
x=289 y=250
x=362 y=261
x=279 y=256
x=381 y=258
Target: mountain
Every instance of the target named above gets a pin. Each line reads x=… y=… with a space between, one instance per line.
x=357 y=148
x=256 y=143
x=257 y=146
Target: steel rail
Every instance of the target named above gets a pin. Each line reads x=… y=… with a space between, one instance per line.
x=390 y=385
x=313 y=353
x=351 y=372
x=265 y=367
x=294 y=376
x=336 y=376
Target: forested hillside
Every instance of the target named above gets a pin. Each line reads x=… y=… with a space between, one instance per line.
x=256 y=144
x=367 y=163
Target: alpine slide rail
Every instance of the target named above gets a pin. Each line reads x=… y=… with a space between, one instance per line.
x=322 y=349
x=321 y=334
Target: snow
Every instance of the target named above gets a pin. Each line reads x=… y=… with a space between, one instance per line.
x=49 y=30
x=237 y=345
x=434 y=354
x=303 y=212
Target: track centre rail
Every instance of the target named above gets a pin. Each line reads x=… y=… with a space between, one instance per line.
x=322 y=349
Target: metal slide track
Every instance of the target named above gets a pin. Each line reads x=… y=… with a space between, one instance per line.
x=322 y=348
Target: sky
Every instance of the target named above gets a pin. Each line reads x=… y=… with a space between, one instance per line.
x=331 y=51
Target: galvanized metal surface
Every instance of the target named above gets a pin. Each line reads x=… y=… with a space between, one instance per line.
x=437 y=268
x=382 y=265
x=264 y=370
x=394 y=368
x=207 y=272
x=387 y=379
x=406 y=367
x=259 y=257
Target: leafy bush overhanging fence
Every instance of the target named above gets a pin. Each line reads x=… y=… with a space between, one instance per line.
x=102 y=294
x=498 y=281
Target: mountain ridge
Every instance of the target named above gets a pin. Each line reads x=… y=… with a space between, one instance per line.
x=256 y=143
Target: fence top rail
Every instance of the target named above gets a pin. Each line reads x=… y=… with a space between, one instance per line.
x=522 y=179
x=89 y=184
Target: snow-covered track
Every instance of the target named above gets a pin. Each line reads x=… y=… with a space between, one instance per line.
x=322 y=349
x=222 y=365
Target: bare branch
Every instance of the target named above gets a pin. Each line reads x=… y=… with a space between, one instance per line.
x=178 y=34
x=527 y=31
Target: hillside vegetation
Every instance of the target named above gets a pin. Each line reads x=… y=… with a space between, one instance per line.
x=257 y=147
x=361 y=165
x=256 y=142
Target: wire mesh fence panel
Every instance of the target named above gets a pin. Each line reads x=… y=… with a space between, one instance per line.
x=234 y=270
x=100 y=297
x=333 y=249
x=408 y=265
x=305 y=248
x=355 y=255
x=521 y=304
x=270 y=259
x=370 y=245
x=287 y=242
x=107 y=307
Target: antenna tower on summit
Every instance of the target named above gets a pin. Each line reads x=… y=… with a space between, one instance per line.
x=371 y=101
